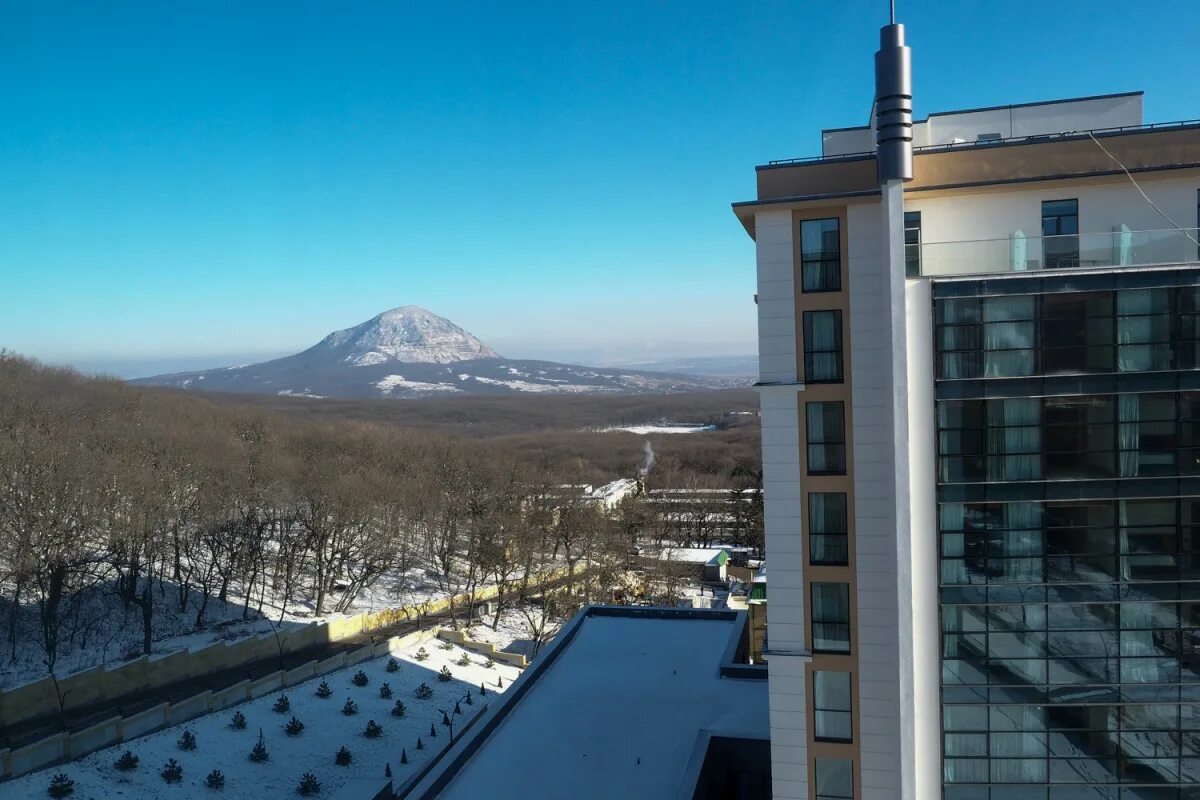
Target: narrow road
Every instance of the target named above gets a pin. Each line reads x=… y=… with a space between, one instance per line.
x=15 y=736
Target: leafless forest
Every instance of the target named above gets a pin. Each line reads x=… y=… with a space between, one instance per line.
x=163 y=501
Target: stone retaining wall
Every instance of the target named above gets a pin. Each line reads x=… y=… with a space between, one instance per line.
x=40 y=699
x=487 y=649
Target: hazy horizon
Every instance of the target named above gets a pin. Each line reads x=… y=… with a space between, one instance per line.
x=194 y=183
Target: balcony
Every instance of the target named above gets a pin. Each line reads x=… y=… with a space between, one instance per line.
x=1019 y=253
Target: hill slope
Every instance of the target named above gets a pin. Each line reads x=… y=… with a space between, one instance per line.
x=410 y=352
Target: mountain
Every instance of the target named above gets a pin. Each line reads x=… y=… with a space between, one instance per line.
x=411 y=352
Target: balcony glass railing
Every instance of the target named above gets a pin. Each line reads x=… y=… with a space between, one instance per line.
x=1020 y=253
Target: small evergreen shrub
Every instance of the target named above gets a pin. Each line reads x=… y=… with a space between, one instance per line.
x=323 y=690
x=393 y=665
x=422 y=654
x=294 y=727
x=215 y=780
x=343 y=757
x=398 y=709
x=238 y=722
x=482 y=690
x=171 y=771
x=490 y=663
x=187 y=741
x=445 y=645
x=423 y=692
x=499 y=682
x=61 y=786
x=470 y=702
x=259 y=754
x=464 y=660
x=457 y=709
x=420 y=744
x=403 y=756
x=128 y=761
x=282 y=705
x=385 y=692
x=309 y=785
x=445 y=719
x=444 y=676
x=360 y=678
x=373 y=730
x=350 y=709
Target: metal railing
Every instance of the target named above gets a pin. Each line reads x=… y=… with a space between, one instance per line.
x=1019 y=253
x=1038 y=137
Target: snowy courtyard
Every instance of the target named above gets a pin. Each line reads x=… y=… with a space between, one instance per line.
x=326 y=729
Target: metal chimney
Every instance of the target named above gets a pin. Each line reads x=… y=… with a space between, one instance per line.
x=893 y=105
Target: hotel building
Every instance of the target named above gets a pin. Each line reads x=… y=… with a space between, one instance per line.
x=979 y=340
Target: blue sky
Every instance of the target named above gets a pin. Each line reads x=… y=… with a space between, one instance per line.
x=191 y=185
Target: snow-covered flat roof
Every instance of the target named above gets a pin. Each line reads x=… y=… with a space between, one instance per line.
x=615 y=709
x=692 y=555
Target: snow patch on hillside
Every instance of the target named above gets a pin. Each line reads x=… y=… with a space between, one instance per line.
x=558 y=388
x=393 y=382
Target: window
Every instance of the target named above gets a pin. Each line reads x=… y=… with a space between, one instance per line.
x=835 y=779
x=831 y=617
x=912 y=244
x=823 y=346
x=1060 y=229
x=1068 y=333
x=831 y=706
x=827 y=542
x=820 y=255
x=1076 y=330
x=826 y=429
x=990 y=337
x=1144 y=330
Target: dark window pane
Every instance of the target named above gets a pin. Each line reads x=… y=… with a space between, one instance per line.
x=823 y=346
x=820 y=255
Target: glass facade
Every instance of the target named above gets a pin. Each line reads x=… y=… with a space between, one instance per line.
x=1068 y=425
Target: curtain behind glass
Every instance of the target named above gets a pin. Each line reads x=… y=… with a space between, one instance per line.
x=1128 y=433
x=1143 y=330
x=1014 y=440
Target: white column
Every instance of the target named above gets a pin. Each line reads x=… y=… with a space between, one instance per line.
x=779 y=398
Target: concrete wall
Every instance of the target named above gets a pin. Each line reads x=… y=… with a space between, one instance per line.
x=63 y=747
x=779 y=397
x=983 y=221
x=39 y=699
x=486 y=648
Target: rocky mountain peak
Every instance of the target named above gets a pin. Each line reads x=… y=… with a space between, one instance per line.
x=408 y=334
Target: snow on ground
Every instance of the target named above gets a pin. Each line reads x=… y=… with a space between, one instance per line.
x=326 y=729
x=513 y=633
x=557 y=388
x=111 y=633
x=392 y=382
x=643 y=430
x=290 y=393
